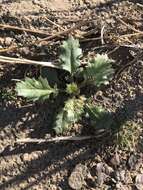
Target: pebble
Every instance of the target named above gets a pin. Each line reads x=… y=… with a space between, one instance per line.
x=77 y=177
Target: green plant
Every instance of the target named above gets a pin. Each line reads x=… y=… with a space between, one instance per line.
x=98 y=116
x=68 y=82
x=7 y=95
x=128 y=136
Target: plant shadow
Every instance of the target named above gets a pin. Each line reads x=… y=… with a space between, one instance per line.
x=56 y=157
x=57 y=152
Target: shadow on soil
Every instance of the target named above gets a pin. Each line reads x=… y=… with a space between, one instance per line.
x=62 y=154
x=56 y=157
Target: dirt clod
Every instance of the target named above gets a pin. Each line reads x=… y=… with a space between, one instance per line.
x=78 y=176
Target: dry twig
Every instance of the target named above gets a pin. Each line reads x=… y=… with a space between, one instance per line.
x=136 y=59
x=12 y=60
x=50 y=21
x=33 y=31
x=130 y=35
x=102 y=35
x=56 y=139
x=129 y=26
x=58 y=34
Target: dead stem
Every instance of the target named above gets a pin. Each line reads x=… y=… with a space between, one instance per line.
x=56 y=139
x=33 y=31
x=12 y=60
x=129 y=26
x=49 y=38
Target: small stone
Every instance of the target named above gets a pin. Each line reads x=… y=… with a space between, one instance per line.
x=76 y=179
x=120 y=175
x=115 y=160
x=25 y=157
x=8 y=41
x=99 y=167
x=108 y=170
x=128 y=178
x=139 y=179
x=132 y=161
x=120 y=186
x=101 y=178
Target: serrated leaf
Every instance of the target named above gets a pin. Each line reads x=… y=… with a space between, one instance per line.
x=71 y=113
x=99 y=118
x=70 y=55
x=99 y=71
x=35 y=89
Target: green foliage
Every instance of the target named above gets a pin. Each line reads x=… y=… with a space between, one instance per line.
x=99 y=118
x=72 y=88
x=70 y=55
x=7 y=95
x=70 y=114
x=128 y=136
x=35 y=89
x=99 y=71
x=68 y=81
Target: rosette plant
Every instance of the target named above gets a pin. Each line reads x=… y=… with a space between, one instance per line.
x=70 y=81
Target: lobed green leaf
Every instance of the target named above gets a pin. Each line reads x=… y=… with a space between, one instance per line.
x=71 y=113
x=99 y=71
x=99 y=118
x=70 y=55
x=33 y=89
